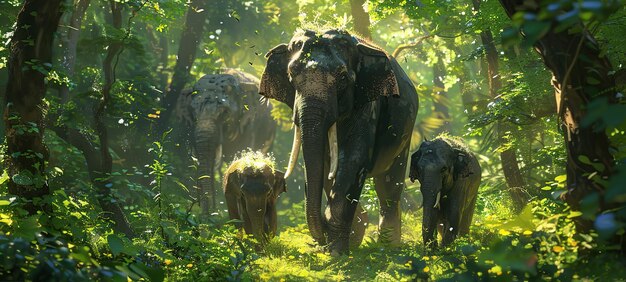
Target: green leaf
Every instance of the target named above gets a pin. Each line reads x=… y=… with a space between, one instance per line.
x=4 y=177
x=573 y=214
x=22 y=179
x=535 y=30
x=115 y=244
x=561 y=178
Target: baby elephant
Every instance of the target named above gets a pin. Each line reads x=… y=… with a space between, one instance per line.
x=251 y=185
x=449 y=175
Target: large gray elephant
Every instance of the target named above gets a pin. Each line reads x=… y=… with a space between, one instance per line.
x=354 y=110
x=222 y=114
x=449 y=175
x=252 y=185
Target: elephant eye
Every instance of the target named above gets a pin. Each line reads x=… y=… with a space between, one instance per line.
x=296 y=45
x=444 y=169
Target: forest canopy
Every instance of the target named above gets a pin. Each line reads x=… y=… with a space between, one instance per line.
x=459 y=140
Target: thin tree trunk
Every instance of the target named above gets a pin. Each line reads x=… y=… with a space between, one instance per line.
x=440 y=99
x=189 y=41
x=71 y=42
x=102 y=181
x=515 y=182
x=31 y=54
x=164 y=55
x=574 y=59
x=361 y=19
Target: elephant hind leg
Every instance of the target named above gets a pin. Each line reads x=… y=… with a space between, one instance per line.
x=389 y=187
x=466 y=221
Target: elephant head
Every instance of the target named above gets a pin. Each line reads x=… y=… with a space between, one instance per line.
x=324 y=77
x=437 y=165
x=251 y=190
x=214 y=110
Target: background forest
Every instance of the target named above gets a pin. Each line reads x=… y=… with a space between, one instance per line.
x=112 y=193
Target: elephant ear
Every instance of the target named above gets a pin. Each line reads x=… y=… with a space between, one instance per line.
x=275 y=81
x=232 y=181
x=413 y=170
x=375 y=76
x=461 y=165
x=280 y=186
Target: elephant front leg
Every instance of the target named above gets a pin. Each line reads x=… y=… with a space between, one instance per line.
x=452 y=214
x=360 y=221
x=233 y=208
x=389 y=187
x=343 y=197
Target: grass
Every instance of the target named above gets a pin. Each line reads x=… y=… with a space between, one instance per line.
x=538 y=244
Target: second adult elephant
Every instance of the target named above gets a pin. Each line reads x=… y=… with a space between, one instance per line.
x=222 y=115
x=354 y=110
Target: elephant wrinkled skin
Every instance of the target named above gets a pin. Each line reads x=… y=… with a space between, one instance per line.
x=251 y=189
x=220 y=116
x=354 y=110
x=449 y=175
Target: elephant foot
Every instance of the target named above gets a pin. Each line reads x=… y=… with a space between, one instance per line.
x=389 y=236
x=338 y=247
x=359 y=224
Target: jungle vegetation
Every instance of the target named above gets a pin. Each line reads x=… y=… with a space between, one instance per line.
x=94 y=185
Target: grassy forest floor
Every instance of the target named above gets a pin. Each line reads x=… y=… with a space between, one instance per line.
x=533 y=245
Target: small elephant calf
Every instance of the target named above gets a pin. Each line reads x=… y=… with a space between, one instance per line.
x=251 y=185
x=449 y=175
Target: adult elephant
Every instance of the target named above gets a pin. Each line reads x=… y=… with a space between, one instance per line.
x=354 y=109
x=222 y=114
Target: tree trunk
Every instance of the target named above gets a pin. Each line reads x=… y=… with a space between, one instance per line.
x=512 y=174
x=360 y=19
x=574 y=59
x=440 y=97
x=68 y=59
x=102 y=179
x=189 y=42
x=514 y=180
x=29 y=62
x=164 y=53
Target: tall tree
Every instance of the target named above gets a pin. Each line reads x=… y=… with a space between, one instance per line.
x=102 y=174
x=70 y=42
x=28 y=65
x=581 y=75
x=190 y=39
x=508 y=156
x=360 y=18
x=440 y=96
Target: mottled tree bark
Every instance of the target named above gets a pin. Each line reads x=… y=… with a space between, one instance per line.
x=29 y=62
x=360 y=19
x=189 y=41
x=581 y=74
x=515 y=182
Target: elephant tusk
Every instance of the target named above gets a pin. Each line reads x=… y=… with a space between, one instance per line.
x=437 y=201
x=295 y=151
x=334 y=150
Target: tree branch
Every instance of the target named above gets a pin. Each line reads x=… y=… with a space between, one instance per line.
x=403 y=47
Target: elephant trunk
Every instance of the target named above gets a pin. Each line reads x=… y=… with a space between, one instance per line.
x=314 y=150
x=207 y=145
x=256 y=214
x=431 y=193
